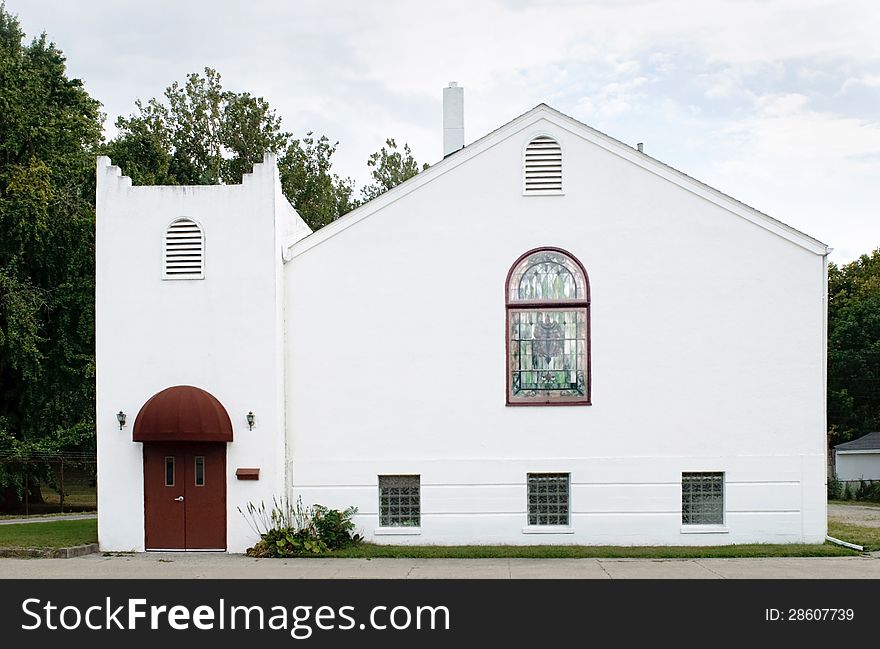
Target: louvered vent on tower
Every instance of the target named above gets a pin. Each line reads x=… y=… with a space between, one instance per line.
x=184 y=250
x=543 y=166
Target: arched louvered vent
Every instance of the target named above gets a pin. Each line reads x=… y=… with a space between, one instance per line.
x=184 y=250
x=543 y=166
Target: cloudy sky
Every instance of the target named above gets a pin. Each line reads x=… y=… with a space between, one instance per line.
x=775 y=102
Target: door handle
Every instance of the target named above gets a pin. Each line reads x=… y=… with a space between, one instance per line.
x=179 y=499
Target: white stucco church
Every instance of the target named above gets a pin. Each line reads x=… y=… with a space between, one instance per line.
x=546 y=337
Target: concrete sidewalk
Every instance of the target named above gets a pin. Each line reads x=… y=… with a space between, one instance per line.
x=47 y=519
x=223 y=566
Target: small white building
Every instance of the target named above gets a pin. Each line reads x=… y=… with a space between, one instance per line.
x=858 y=459
x=546 y=337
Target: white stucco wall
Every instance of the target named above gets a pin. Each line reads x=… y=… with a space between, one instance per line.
x=222 y=334
x=377 y=346
x=707 y=355
x=857 y=466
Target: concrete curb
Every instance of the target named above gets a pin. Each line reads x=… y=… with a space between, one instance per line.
x=49 y=553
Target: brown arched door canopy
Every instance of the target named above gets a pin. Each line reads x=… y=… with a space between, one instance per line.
x=182 y=413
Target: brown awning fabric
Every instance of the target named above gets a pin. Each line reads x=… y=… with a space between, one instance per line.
x=182 y=414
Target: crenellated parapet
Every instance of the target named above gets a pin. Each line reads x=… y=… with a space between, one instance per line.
x=109 y=172
x=267 y=169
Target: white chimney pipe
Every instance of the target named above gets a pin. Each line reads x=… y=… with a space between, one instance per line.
x=453 y=118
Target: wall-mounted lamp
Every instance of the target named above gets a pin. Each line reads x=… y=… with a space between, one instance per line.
x=120 y=417
x=250 y=420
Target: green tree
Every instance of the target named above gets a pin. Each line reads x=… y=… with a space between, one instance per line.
x=389 y=168
x=49 y=130
x=318 y=195
x=200 y=134
x=854 y=348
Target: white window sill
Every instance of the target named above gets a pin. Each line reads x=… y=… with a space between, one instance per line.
x=547 y=529
x=704 y=529
x=397 y=531
x=544 y=192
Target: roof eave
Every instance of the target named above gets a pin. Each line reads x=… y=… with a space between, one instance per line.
x=857 y=451
x=577 y=128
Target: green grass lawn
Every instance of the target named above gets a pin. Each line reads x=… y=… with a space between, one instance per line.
x=57 y=534
x=371 y=551
x=868 y=537
x=66 y=533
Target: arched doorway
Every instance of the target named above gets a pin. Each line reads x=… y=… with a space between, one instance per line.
x=184 y=431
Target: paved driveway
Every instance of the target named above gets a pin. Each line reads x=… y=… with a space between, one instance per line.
x=863 y=515
x=47 y=519
x=203 y=566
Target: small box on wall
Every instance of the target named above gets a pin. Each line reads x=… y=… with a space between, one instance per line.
x=247 y=474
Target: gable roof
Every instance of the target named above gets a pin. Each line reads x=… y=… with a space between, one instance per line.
x=869 y=442
x=616 y=147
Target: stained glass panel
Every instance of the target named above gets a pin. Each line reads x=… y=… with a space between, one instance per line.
x=548 y=353
x=548 y=307
x=547 y=275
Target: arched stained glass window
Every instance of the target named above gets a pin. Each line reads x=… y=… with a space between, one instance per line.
x=548 y=330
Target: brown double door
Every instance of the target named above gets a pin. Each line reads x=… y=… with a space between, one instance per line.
x=185 y=496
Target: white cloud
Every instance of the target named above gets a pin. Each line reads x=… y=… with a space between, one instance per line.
x=814 y=170
x=781 y=105
x=774 y=101
x=784 y=128
x=868 y=81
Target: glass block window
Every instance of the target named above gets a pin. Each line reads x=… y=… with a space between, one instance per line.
x=702 y=498
x=399 y=501
x=548 y=329
x=548 y=498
